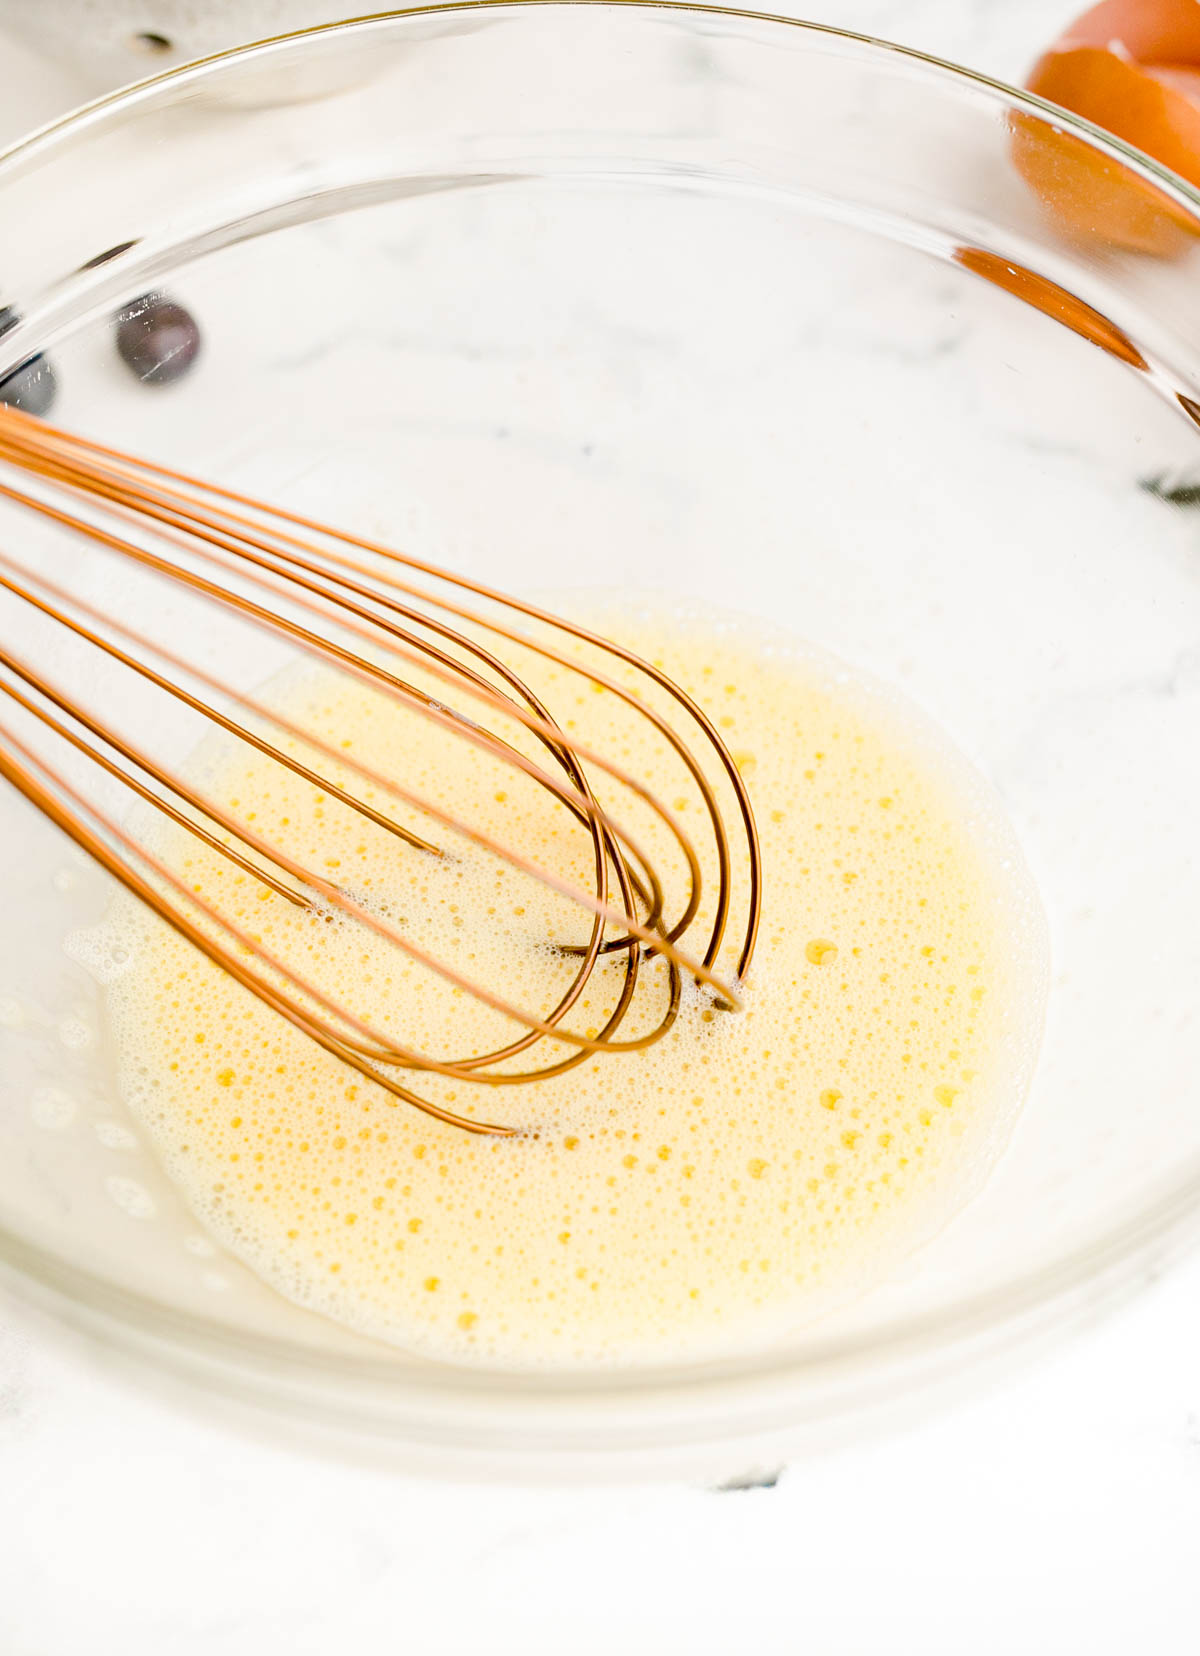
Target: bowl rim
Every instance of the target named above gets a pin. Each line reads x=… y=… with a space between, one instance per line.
x=1123 y=1251
x=132 y=92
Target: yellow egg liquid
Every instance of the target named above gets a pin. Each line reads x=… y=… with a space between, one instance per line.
x=734 y=1180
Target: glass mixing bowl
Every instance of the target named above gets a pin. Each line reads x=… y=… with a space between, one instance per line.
x=709 y=303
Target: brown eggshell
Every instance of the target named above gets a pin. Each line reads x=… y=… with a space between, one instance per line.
x=1132 y=67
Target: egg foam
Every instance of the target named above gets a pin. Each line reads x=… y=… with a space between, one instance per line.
x=710 y=1193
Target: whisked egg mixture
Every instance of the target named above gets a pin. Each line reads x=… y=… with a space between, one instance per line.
x=724 y=1185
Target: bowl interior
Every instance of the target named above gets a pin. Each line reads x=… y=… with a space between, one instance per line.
x=658 y=301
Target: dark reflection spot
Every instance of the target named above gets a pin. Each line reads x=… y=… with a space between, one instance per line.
x=32 y=387
x=1174 y=494
x=109 y=253
x=755 y=1479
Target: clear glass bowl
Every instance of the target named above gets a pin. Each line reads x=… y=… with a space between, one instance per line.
x=749 y=309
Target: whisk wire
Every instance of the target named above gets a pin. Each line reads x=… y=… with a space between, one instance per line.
x=224 y=546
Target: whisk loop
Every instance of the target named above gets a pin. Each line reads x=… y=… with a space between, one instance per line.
x=443 y=653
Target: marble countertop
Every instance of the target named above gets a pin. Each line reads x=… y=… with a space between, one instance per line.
x=1058 y=1513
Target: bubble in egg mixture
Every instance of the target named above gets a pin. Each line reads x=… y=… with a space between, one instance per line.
x=720 y=1187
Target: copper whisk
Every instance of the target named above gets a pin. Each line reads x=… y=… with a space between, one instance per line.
x=366 y=611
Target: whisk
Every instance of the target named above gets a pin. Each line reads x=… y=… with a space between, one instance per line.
x=443 y=651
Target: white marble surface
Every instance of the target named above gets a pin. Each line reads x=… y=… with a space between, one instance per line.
x=1059 y=1514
